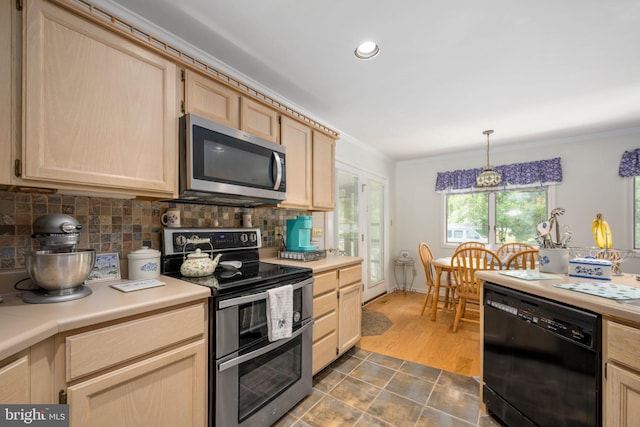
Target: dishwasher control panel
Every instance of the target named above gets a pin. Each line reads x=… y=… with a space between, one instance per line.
x=548 y=315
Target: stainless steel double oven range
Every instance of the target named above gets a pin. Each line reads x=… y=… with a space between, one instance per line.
x=252 y=381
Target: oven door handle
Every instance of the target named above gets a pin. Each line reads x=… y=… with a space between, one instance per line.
x=257 y=297
x=266 y=349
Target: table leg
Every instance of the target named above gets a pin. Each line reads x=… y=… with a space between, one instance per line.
x=436 y=293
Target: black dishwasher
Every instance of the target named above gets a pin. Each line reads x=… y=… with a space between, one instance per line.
x=541 y=361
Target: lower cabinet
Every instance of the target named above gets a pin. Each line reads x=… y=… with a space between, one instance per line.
x=149 y=370
x=622 y=375
x=27 y=377
x=337 y=296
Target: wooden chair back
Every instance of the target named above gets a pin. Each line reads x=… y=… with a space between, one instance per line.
x=464 y=264
x=508 y=249
x=471 y=244
x=426 y=256
x=523 y=260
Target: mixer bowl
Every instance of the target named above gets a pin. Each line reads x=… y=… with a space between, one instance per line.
x=57 y=271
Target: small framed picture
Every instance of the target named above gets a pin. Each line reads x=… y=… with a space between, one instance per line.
x=107 y=267
x=404 y=253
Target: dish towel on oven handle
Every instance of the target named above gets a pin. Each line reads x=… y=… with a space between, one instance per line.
x=280 y=312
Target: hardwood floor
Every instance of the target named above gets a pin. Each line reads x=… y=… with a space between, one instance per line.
x=416 y=338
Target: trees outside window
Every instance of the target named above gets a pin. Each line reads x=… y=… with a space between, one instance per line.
x=496 y=217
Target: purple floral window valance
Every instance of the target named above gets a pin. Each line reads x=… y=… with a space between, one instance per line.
x=630 y=163
x=541 y=171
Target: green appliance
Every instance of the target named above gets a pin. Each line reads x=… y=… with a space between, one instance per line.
x=299 y=234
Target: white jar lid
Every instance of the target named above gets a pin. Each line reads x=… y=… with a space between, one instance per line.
x=144 y=252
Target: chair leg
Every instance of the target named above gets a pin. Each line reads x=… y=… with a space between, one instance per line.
x=459 y=311
x=426 y=299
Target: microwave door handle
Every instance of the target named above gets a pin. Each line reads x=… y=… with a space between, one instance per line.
x=257 y=297
x=256 y=353
x=276 y=160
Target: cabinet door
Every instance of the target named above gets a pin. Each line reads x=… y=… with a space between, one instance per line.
x=623 y=397
x=14 y=380
x=324 y=168
x=6 y=98
x=296 y=137
x=259 y=120
x=350 y=311
x=100 y=111
x=212 y=100
x=166 y=390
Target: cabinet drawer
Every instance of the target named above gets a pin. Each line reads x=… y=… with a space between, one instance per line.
x=324 y=304
x=325 y=325
x=324 y=352
x=92 y=351
x=325 y=282
x=350 y=275
x=623 y=344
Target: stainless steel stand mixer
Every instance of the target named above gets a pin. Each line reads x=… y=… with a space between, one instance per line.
x=58 y=269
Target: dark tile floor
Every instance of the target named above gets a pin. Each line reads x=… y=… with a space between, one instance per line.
x=363 y=388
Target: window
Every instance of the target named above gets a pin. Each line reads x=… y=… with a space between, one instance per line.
x=496 y=217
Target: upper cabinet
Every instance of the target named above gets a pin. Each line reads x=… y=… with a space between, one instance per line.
x=258 y=119
x=212 y=100
x=7 y=98
x=324 y=172
x=100 y=112
x=310 y=167
x=296 y=138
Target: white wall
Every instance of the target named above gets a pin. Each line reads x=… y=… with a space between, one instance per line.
x=590 y=185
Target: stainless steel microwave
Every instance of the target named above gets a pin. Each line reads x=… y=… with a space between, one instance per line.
x=225 y=166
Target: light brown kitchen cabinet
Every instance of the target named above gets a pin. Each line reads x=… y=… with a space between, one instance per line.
x=100 y=111
x=212 y=100
x=258 y=119
x=149 y=370
x=8 y=81
x=349 y=307
x=27 y=377
x=336 y=314
x=325 y=316
x=296 y=138
x=324 y=171
x=622 y=375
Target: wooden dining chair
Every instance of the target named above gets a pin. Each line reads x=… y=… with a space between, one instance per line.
x=508 y=249
x=464 y=264
x=471 y=244
x=426 y=256
x=523 y=260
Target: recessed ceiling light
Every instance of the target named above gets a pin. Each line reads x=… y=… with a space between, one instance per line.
x=367 y=50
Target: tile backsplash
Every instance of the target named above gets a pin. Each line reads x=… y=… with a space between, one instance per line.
x=117 y=225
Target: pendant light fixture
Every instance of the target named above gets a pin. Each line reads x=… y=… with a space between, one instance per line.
x=488 y=177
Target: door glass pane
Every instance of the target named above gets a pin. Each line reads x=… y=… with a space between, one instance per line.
x=347 y=213
x=376 y=233
x=517 y=214
x=467 y=218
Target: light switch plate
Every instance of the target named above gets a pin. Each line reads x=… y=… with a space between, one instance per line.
x=317 y=232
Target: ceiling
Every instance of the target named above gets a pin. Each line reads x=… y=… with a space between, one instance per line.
x=447 y=70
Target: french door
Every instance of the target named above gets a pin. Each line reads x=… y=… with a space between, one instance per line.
x=359 y=225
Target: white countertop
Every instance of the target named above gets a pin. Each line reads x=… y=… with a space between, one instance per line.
x=608 y=308
x=22 y=324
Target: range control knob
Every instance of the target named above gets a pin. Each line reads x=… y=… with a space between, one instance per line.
x=244 y=238
x=181 y=240
x=253 y=237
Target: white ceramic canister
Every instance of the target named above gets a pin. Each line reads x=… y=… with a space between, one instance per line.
x=144 y=264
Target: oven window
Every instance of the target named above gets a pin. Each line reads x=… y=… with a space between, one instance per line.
x=253 y=319
x=264 y=378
